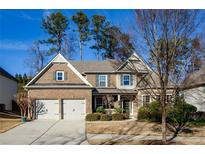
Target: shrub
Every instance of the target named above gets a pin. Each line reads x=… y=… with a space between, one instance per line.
x=93 y=117
x=126 y=115
x=143 y=113
x=155 y=111
x=105 y=117
x=119 y=110
x=100 y=109
x=179 y=114
x=117 y=116
x=152 y=112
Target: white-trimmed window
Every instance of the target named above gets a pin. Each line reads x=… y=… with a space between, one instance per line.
x=168 y=98
x=125 y=80
x=98 y=102
x=102 y=80
x=59 y=75
x=146 y=100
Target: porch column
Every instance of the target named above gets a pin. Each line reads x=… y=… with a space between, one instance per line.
x=118 y=99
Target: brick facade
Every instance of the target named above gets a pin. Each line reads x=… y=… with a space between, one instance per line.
x=64 y=94
x=48 y=76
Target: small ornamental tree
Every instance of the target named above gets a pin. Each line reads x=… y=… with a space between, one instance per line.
x=23 y=102
x=178 y=115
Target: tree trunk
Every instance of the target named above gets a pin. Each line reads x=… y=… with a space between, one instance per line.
x=81 y=52
x=29 y=113
x=24 y=112
x=98 y=56
x=21 y=112
x=164 y=129
x=163 y=105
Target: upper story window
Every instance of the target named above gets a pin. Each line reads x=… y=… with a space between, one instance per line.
x=59 y=75
x=146 y=100
x=102 y=80
x=126 y=80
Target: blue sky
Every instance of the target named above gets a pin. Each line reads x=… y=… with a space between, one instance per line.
x=19 y=28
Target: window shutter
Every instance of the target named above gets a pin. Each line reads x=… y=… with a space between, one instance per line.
x=108 y=80
x=131 y=79
x=97 y=80
x=65 y=75
x=54 y=75
x=121 y=80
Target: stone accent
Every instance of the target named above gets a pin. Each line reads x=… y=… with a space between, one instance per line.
x=64 y=94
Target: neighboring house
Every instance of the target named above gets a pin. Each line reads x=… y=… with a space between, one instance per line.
x=194 y=89
x=69 y=89
x=8 y=88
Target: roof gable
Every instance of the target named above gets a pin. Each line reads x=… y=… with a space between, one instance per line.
x=195 y=79
x=135 y=63
x=58 y=59
x=6 y=74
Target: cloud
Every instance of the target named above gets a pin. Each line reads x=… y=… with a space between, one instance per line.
x=13 y=45
x=46 y=13
x=28 y=17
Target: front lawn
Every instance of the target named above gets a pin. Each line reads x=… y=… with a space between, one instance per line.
x=8 y=121
x=126 y=127
x=135 y=128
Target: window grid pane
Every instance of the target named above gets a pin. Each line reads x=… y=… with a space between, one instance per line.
x=126 y=80
x=146 y=100
x=102 y=80
x=59 y=76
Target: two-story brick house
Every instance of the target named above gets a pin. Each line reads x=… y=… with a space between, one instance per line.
x=70 y=89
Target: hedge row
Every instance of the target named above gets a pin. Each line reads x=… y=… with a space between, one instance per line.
x=106 y=117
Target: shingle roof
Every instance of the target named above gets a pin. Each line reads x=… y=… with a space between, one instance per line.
x=6 y=74
x=95 y=66
x=113 y=91
x=195 y=79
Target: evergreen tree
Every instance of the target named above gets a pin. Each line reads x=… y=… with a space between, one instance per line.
x=82 y=22
x=55 y=25
x=99 y=24
x=117 y=45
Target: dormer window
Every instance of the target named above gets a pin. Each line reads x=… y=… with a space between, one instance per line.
x=59 y=75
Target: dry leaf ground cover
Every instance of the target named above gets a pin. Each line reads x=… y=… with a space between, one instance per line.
x=193 y=135
x=8 y=121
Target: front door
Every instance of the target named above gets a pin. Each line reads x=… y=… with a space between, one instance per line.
x=126 y=106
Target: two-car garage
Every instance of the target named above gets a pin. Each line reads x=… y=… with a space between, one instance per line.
x=60 y=109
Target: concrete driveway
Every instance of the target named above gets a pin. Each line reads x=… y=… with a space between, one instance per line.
x=46 y=132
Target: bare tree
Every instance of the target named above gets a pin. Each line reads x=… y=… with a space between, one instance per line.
x=37 y=57
x=168 y=36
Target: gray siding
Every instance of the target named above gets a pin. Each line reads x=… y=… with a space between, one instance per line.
x=8 y=88
x=196 y=97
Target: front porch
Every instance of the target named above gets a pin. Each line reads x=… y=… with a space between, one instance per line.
x=112 y=99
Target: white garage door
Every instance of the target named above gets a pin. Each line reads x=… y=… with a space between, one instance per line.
x=47 y=109
x=74 y=109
